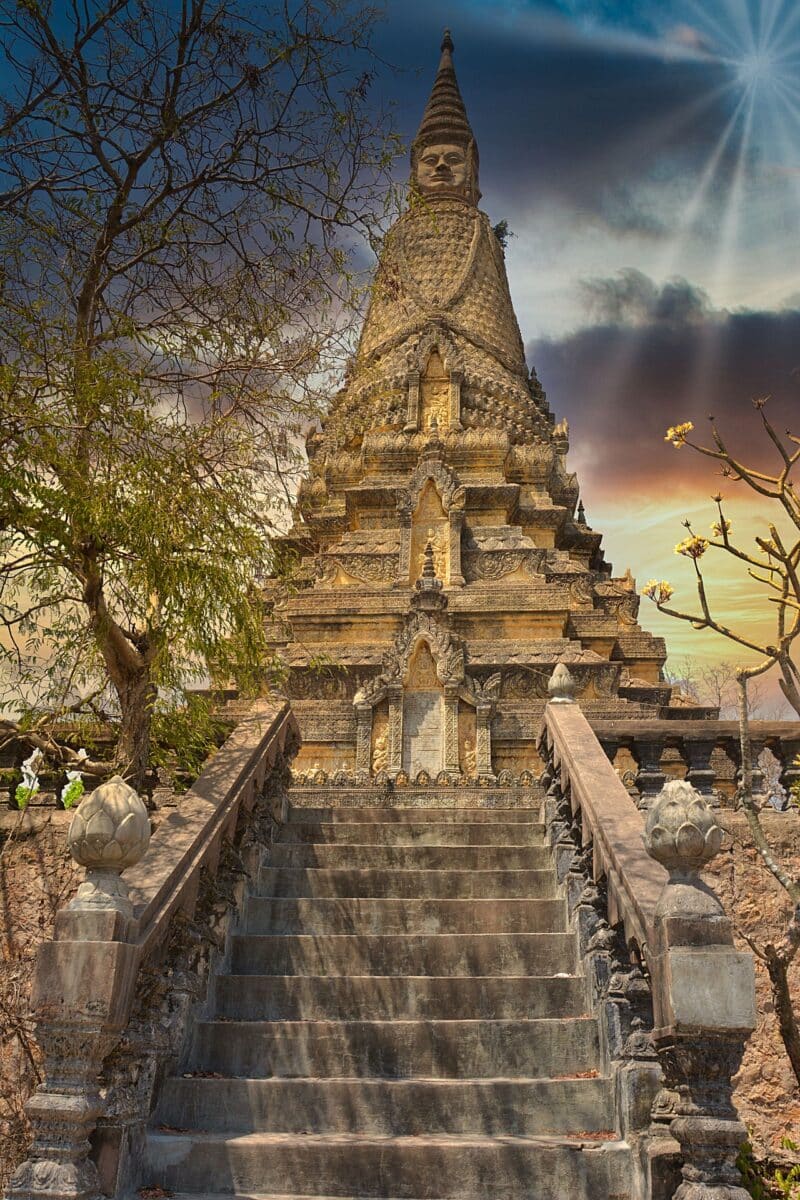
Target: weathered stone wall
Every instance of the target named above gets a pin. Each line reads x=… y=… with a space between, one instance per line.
x=37 y=876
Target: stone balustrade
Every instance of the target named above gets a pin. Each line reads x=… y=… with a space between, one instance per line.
x=675 y=998
x=131 y=952
x=647 y=754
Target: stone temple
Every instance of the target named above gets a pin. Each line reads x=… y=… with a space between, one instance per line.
x=448 y=959
x=445 y=555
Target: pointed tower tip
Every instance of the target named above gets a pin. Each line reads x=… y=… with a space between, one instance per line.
x=445 y=120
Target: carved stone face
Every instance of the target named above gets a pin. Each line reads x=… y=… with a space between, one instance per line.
x=442 y=169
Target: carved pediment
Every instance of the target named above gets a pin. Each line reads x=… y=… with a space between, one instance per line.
x=496 y=551
x=435 y=337
x=446 y=650
x=367 y=568
x=446 y=481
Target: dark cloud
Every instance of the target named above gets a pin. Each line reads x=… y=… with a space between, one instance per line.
x=621 y=210
x=621 y=384
x=631 y=298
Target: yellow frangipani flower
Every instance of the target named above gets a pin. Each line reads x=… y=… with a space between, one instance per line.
x=658 y=590
x=677 y=433
x=692 y=547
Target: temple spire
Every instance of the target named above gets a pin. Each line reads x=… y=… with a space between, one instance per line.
x=445 y=125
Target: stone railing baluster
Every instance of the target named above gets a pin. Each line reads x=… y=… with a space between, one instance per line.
x=701 y=775
x=650 y=777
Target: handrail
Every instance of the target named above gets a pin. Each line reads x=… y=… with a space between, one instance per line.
x=635 y=880
x=702 y=988
x=183 y=841
x=85 y=980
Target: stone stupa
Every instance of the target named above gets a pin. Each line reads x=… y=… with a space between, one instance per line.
x=445 y=560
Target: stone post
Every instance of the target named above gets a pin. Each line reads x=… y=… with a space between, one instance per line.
x=404 y=520
x=483 y=741
x=363 y=738
x=455 y=399
x=450 y=757
x=703 y=997
x=456 y=577
x=395 y=729
x=412 y=416
x=81 y=998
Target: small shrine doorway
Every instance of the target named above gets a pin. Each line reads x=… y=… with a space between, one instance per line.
x=423 y=716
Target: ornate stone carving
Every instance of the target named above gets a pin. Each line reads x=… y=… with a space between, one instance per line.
x=561 y=686
x=681 y=831
x=109 y=832
x=524 y=684
x=451 y=731
x=485 y=690
x=318 y=685
x=395 y=730
x=470 y=763
x=483 y=741
x=63 y=1111
x=493 y=564
x=581 y=591
x=371 y=568
x=699 y=1054
x=380 y=753
x=363 y=733
x=619 y=598
x=437 y=540
x=447 y=483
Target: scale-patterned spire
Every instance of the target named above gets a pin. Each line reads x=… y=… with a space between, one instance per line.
x=445 y=117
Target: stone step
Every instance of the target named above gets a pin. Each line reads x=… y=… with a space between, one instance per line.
x=388 y=1107
x=405 y=882
x=270 y=1196
x=414 y=833
x=403 y=954
x=333 y=914
x=420 y=858
x=460 y=799
x=470 y=1168
x=387 y=816
x=392 y=997
x=397 y=1049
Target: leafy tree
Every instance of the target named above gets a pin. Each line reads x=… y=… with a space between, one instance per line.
x=181 y=190
x=774 y=566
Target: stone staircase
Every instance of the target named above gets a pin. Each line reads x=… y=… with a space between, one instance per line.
x=403 y=1016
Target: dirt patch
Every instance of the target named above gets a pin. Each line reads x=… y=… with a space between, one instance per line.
x=37 y=877
x=767 y=1094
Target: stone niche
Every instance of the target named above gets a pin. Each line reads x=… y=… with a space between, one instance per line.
x=430 y=523
x=423 y=715
x=434 y=394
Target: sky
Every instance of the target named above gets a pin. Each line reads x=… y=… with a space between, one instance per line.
x=647 y=159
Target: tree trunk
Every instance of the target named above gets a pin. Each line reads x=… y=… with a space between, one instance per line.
x=778 y=968
x=129 y=660
x=137 y=693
